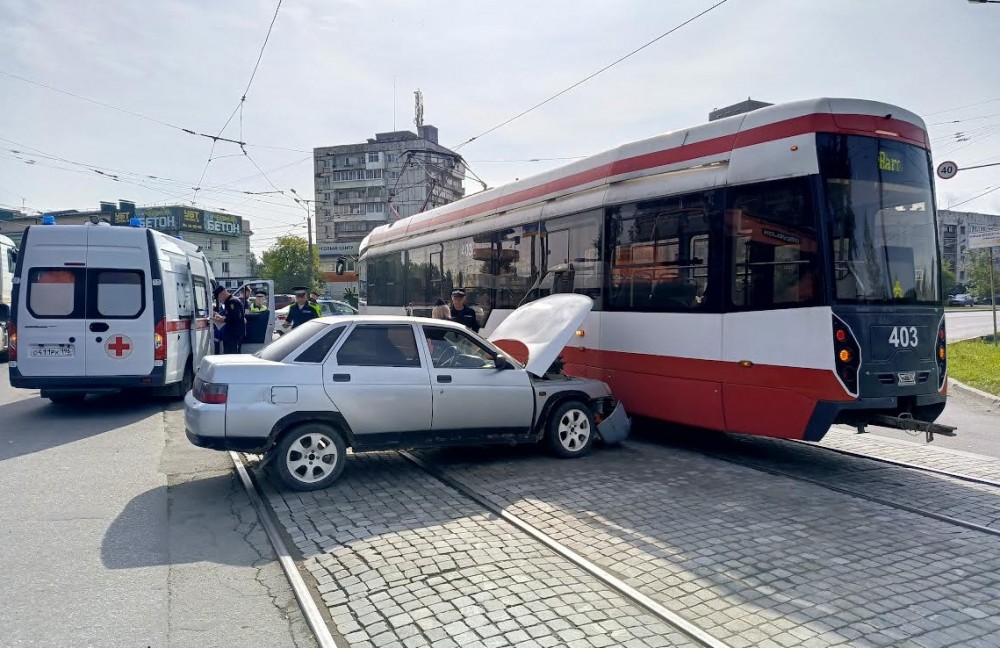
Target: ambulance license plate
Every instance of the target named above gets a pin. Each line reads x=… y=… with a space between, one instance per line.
x=52 y=351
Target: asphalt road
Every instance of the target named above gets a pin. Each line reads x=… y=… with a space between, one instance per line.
x=965 y=324
x=117 y=532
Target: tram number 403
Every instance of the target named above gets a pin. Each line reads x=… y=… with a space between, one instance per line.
x=903 y=336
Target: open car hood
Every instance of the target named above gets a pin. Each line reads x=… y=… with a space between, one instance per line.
x=536 y=332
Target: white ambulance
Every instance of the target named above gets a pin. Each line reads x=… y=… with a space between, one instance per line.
x=7 y=256
x=99 y=308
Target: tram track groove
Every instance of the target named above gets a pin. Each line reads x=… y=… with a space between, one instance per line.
x=671 y=618
x=902 y=464
x=847 y=491
x=310 y=611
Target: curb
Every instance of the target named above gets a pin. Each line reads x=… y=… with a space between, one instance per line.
x=977 y=394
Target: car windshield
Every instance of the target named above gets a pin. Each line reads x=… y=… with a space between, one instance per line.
x=280 y=348
x=881 y=218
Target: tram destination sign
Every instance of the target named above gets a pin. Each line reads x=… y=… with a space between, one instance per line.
x=987 y=239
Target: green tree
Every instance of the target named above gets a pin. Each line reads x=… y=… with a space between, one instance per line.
x=287 y=264
x=255 y=268
x=978 y=273
x=948 y=281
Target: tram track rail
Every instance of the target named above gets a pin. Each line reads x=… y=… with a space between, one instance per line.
x=661 y=612
x=754 y=464
x=319 y=627
x=902 y=464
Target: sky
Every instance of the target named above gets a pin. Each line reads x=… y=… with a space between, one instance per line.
x=338 y=71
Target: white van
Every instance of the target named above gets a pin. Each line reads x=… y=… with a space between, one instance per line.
x=7 y=255
x=98 y=308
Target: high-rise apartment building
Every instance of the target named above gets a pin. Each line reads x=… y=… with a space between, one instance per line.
x=393 y=175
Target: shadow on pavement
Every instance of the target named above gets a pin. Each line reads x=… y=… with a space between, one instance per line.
x=35 y=424
x=201 y=520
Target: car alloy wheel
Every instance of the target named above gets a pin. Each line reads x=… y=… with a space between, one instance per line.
x=571 y=430
x=310 y=457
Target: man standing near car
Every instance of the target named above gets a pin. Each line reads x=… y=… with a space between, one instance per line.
x=461 y=313
x=302 y=310
x=235 y=328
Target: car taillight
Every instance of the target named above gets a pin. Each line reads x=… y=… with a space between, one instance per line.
x=210 y=393
x=11 y=343
x=847 y=355
x=160 y=340
x=941 y=354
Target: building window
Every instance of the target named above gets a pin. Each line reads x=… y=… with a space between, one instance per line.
x=373 y=157
x=961 y=229
x=225 y=267
x=225 y=245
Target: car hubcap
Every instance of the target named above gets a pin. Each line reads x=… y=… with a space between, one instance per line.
x=311 y=457
x=574 y=430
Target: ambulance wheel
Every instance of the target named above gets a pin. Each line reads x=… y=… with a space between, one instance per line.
x=571 y=430
x=187 y=382
x=309 y=457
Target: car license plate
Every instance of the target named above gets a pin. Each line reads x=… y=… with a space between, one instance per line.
x=53 y=351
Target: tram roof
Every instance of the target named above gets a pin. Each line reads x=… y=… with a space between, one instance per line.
x=674 y=150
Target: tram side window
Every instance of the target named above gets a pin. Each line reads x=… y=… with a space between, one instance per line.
x=518 y=252
x=385 y=280
x=571 y=245
x=660 y=254
x=771 y=228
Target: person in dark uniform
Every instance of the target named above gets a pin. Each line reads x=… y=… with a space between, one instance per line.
x=302 y=310
x=461 y=313
x=235 y=328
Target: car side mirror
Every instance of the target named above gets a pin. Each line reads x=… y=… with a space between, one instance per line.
x=501 y=362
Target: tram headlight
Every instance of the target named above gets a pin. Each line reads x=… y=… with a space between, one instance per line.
x=942 y=354
x=844 y=355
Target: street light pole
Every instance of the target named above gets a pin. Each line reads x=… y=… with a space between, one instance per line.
x=309 y=230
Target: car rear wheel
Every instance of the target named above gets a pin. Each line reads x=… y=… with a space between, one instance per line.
x=571 y=430
x=310 y=457
x=186 y=383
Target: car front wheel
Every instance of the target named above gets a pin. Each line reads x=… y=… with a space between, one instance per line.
x=310 y=457
x=571 y=430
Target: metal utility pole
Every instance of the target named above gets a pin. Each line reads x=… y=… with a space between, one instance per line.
x=993 y=299
x=309 y=234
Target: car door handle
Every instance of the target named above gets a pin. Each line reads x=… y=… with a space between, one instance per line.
x=444 y=379
x=341 y=377
x=99 y=327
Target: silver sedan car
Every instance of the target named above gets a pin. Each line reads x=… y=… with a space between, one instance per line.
x=385 y=382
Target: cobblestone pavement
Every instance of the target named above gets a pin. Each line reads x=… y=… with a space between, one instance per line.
x=754 y=559
x=971 y=502
x=927 y=455
x=400 y=559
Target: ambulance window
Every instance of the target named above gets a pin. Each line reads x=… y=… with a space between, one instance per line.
x=55 y=293
x=120 y=293
x=201 y=296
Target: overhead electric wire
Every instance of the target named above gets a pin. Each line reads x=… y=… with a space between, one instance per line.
x=591 y=76
x=976 y=197
x=972 y=105
x=166 y=124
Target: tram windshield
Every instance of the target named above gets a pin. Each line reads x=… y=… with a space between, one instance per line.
x=881 y=214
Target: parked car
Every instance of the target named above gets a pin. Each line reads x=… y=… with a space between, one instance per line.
x=386 y=382
x=961 y=300
x=327 y=306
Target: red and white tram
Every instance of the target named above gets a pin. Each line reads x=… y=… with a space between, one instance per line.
x=771 y=273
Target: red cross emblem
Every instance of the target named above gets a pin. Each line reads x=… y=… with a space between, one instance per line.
x=119 y=347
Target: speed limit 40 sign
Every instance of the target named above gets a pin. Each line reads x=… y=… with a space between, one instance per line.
x=947 y=170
